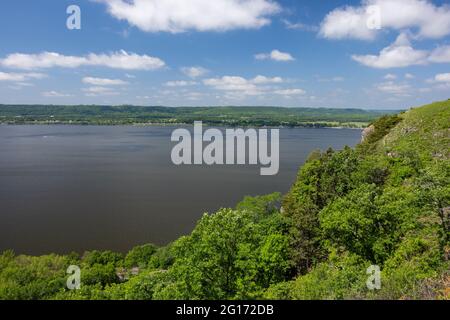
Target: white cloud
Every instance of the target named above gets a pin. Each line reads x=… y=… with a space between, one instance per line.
x=232 y=83
x=20 y=77
x=55 y=94
x=333 y=79
x=194 y=96
x=290 y=92
x=394 y=88
x=429 y=20
x=237 y=88
x=262 y=56
x=275 y=55
x=200 y=15
x=397 y=55
x=24 y=84
x=348 y=22
x=440 y=55
x=265 y=80
x=125 y=60
x=103 y=81
x=300 y=26
x=42 y=60
x=409 y=76
x=194 y=72
x=99 y=91
x=441 y=81
x=390 y=76
x=236 y=83
x=115 y=60
x=442 y=77
x=180 y=83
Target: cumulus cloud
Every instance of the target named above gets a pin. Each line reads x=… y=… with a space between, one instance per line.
x=55 y=94
x=442 y=81
x=115 y=60
x=232 y=83
x=103 y=81
x=394 y=88
x=125 y=60
x=290 y=92
x=266 y=80
x=177 y=16
x=20 y=77
x=237 y=87
x=397 y=55
x=348 y=22
x=427 y=19
x=194 y=72
x=275 y=55
x=99 y=91
x=442 y=77
x=194 y=96
x=440 y=55
x=333 y=79
x=180 y=83
x=390 y=76
x=236 y=83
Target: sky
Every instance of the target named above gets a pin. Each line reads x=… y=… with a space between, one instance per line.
x=370 y=54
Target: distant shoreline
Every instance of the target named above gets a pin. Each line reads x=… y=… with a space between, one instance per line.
x=213 y=116
x=306 y=126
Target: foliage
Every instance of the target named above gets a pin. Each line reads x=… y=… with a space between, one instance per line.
x=382 y=127
x=140 y=256
x=231 y=254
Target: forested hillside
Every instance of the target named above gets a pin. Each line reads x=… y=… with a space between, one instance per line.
x=384 y=203
x=228 y=116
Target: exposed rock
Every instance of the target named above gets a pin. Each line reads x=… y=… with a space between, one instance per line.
x=367 y=132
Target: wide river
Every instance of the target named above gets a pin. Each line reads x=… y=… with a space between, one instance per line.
x=77 y=188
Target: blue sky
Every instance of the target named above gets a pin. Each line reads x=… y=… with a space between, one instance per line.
x=227 y=52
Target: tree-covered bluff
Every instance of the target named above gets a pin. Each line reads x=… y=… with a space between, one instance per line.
x=216 y=116
x=384 y=203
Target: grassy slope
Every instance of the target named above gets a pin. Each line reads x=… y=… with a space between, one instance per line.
x=414 y=156
x=425 y=129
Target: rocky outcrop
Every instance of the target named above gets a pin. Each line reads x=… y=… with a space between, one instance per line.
x=367 y=132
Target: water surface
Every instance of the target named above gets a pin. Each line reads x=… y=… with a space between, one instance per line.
x=77 y=188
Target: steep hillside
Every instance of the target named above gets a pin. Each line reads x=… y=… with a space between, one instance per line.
x=386 y=203
x=425 y=130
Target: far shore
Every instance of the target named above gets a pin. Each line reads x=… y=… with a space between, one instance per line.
x=357 y=126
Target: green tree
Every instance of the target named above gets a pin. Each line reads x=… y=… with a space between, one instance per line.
x=140 y=256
